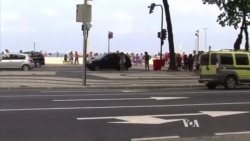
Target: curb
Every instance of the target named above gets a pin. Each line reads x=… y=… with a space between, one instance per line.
x=104 y=87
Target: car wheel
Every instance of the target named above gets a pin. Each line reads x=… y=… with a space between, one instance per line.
x=25 y=68
x=211 y=85
x=97 y=68
x=230 y=82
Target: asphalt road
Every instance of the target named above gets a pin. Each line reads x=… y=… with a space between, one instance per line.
x=122 y=115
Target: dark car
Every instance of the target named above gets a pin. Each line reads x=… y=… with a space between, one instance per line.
x=37 y=57
x=107 y=61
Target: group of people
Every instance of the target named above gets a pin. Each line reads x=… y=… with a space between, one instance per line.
x=146 y=57
x=71 y=58
x=186 y=62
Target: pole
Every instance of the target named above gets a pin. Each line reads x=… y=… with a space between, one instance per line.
x=34 y=45
x=84 y=56
x=205 y=38
x=198 y=42
x=108 y=45
x=161 y=43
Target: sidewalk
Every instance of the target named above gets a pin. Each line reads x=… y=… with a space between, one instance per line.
x=101 y=79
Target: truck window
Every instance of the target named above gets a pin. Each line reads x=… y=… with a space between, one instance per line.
x=226 y=59
x=241 y=59
x=214 y=58
x=204 y=60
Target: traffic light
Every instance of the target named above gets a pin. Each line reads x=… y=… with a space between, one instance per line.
x=163 y=34
x=197 y=33
x=110 y=35
x=151 y=8
x=159 y=35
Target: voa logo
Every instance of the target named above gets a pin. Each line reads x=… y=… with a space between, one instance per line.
x=191 y=123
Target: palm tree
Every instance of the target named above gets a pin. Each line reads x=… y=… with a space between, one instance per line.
x=172 y=65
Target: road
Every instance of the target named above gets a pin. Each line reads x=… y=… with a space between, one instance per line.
x=122 y=115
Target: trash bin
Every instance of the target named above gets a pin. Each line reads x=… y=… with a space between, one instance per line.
x=157 y=64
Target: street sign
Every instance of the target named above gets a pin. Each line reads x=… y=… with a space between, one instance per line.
x=83 y=13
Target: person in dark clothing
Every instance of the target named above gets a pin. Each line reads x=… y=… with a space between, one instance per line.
x=65 y=61
x=146 y=59
x=190 y=62
x=178 y=61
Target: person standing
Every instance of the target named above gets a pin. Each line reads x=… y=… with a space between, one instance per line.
x=122 y=61
x=65 y=61
x=146 y=60
x=71 y=57
x=76 y=58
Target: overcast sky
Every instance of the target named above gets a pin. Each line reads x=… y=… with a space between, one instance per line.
x=52 y=25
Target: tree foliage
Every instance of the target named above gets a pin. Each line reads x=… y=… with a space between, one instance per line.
x=234 y=13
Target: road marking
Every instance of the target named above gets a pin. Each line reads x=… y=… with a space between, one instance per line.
x=120 y=99
x=121 y=107
x=210 y=113
x=222 y=113
x=78 y=91
x=133 y=91
x=143 y=120
x=118 y=117
x=232 y=133
x=155 y=138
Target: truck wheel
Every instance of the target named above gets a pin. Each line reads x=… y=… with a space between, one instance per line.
x=230 y=82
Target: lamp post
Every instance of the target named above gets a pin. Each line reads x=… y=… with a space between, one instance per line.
x=34 y=45
x=197 y=34
x=110 y=36
x=205 y=38
x=151 y=10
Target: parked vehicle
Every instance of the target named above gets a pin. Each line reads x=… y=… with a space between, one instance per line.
x=226 y=67
x=17 y=61
x=107 y=61
x=38 y=58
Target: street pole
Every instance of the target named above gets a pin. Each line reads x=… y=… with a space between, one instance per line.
x=161 y=31
x=108 y=45
x=84 y=56
x=205 y=38
x=198 y=41
x=151 y=8
x=83 y=15
x=34 y=45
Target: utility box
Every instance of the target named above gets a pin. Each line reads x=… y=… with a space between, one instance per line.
x=83 y=13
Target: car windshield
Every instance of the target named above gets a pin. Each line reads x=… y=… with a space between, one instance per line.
x=99 y=57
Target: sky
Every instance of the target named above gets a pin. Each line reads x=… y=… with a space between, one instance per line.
x=50 y=25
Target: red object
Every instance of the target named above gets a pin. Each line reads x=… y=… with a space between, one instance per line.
x=157 y=64
x=162 y=62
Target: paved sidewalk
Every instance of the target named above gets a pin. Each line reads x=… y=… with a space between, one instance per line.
x=103 y=79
